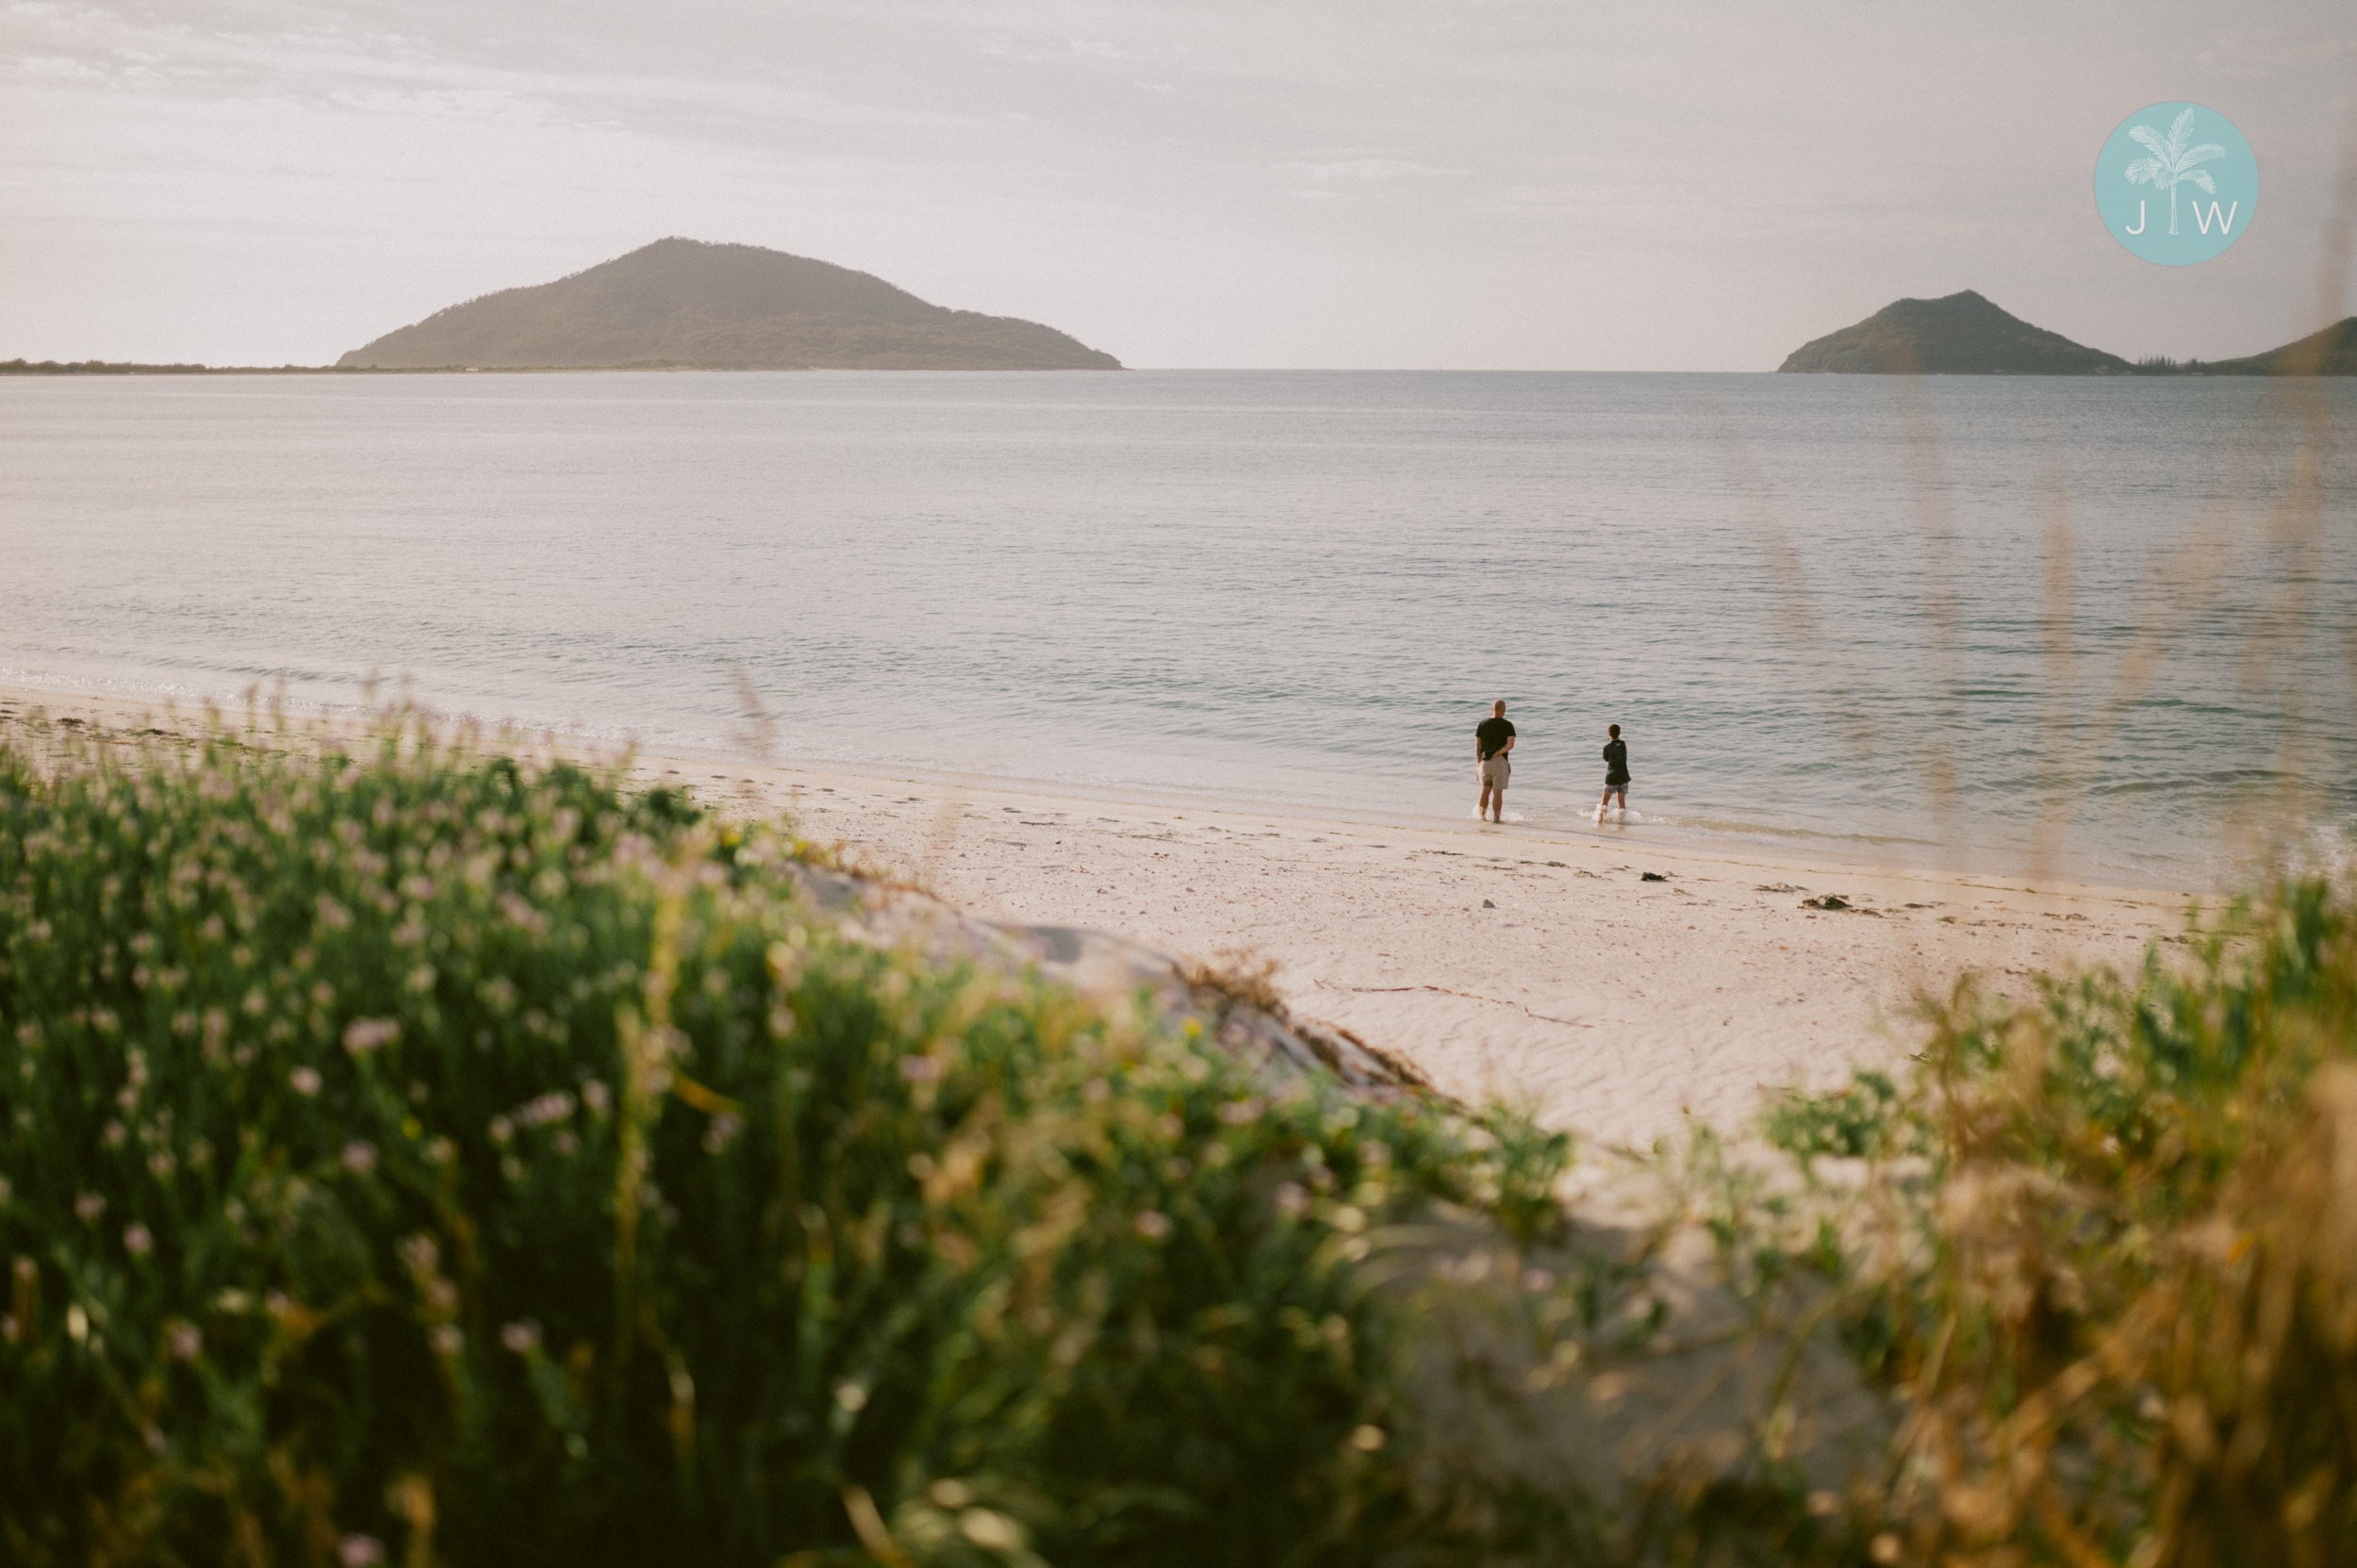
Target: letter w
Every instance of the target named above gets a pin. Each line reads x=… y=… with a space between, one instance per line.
x=2206 y=219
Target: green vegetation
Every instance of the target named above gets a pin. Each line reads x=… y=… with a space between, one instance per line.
x=94 y=366
x=1956 y=334
x=117 y=367
x=2105 y=1246
x=2330 y=352
x=1966 y=335
x=420 y=1157
x=684 y=304
x=416 y=1156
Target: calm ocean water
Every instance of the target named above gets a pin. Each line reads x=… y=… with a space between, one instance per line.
x=1822 y=607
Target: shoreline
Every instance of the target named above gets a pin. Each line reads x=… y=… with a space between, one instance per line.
x=1804 y=848
x=85 y=368
x=1619 y=988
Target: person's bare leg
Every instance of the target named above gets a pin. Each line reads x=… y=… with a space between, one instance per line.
x=1497 y=800
x=1482 y=810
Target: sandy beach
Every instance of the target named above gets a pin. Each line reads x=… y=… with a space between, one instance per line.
x=1545 y=967
x=1541 y=966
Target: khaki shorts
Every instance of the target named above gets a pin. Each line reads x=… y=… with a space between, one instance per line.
x=1495 y=771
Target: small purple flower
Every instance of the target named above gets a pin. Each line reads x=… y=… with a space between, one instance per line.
x=186 y=1341
x=1152 y=1225
x=88 y=1207
x=359 y=1157
x=522 y=1338
x=359 y=1551
x=136 y=1242
x=305 y=1081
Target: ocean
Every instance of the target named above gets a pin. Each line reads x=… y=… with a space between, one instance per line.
x=2095 y=627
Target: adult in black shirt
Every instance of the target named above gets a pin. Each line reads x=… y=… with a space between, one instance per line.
x=1615 y=771
x=1492 y=738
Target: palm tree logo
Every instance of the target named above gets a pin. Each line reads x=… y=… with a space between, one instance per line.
x=2173 y=160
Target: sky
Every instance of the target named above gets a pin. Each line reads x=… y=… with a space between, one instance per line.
x=1444 y=184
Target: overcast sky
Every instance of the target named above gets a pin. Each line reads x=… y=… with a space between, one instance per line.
x=1521 y=184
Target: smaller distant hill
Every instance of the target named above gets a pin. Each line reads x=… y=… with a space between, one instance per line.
x=1957 y=335
x=2332 y=351
x=682 y=304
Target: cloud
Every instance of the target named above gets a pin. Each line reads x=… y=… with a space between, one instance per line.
x=1365 y=171
x=2250 y=55
x=353 y=67
x=1209 y=180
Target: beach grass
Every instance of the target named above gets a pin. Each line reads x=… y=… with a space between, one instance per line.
x=418 y=1154
x=421 y=1154
x=2104 y=1246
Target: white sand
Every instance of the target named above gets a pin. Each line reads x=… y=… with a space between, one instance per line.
x=1524 y=963
x=1529 y=964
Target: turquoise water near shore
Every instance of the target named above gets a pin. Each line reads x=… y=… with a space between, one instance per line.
x=1827 y=610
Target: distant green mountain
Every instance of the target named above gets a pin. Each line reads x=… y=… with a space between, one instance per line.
x=1960 y=334
x=2332 y=351
x=682 y=304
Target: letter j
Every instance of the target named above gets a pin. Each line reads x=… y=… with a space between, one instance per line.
x=2139 y=228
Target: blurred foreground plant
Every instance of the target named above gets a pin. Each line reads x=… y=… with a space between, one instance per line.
x=416 y=1156
x=2106 y=1244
